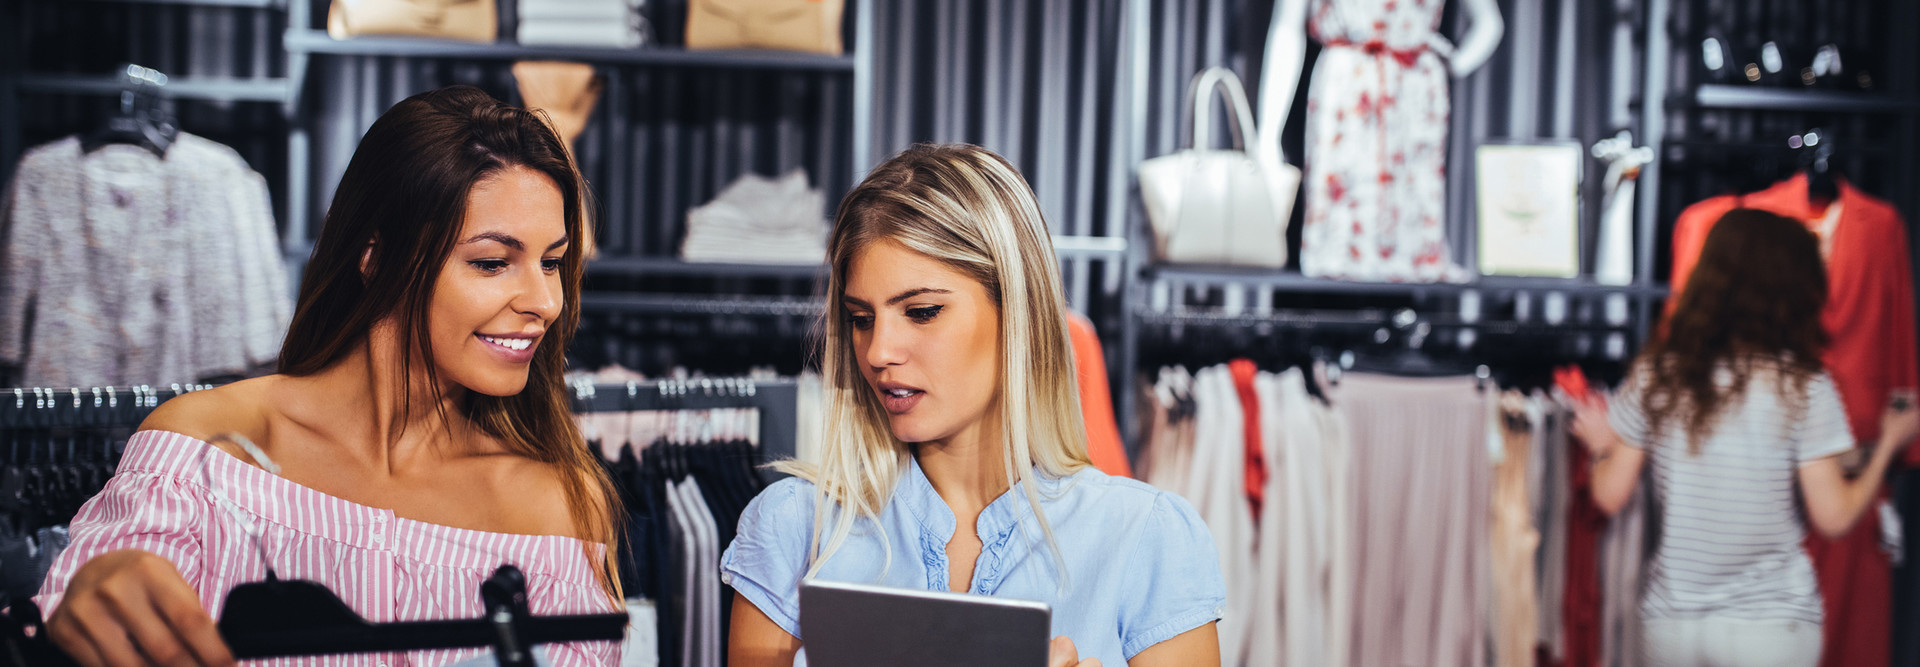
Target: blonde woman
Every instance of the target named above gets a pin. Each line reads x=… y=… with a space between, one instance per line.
x=955 y=457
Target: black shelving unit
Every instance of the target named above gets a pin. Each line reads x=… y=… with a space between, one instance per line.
x=688 y=304
x=215 y=89
x=242 y=4
x=318 y=42
x=1725 y=96
x=673 y=266
x=777 y=400
x=1881 y=123
x=1294 y=283
x=303 y=43
x=624 y=284
x=1597 y=322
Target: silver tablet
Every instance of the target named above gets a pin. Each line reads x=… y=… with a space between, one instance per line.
x=855 y=625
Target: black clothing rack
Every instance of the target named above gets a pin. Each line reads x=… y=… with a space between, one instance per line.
x=84 y=407
x=1509 y=351
x=726 y=485
x=127 y=406
x=84 y=428
x=40 y=422
x=776 y=399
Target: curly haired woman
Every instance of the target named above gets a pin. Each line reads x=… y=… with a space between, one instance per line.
x=1738 y=417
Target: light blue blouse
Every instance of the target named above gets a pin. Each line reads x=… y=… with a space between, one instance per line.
x=1141 y=564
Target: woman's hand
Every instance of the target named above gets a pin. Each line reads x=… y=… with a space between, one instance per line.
x=1061 y=653
x=133 y=608
x=1591 y=427
x=1899 y=424
x=1616 y=463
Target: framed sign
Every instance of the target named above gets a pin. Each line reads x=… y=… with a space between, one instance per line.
x=1528 y=207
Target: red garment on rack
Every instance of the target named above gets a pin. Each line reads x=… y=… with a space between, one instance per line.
x=1243 y=371
x=1580 y=609
x=1870 y=316
x=1096 y=401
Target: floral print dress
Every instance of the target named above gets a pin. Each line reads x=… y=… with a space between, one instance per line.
x=1376 y=178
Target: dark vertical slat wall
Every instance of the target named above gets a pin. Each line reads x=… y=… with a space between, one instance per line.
x=1057 y=86
x=1550 y=80
x=660 y=142
x=1036 y=82
x=1031 y=81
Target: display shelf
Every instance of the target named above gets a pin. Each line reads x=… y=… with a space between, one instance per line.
x=318 y=42
x=1286 y=281
x=215 y=89
x=1366 y=319
x=1724 y=96
x=777 y=400
x=674 y=304
x=1564 y=285
x=244 y=4
x=674 y=266
x=1092 y=246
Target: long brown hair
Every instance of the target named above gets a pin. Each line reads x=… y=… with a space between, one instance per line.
x=1754 y=300
x=405 y=193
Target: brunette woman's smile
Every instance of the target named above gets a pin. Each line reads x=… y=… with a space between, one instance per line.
x=514 y=348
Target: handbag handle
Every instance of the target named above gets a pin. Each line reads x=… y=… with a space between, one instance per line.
x=1200 y=98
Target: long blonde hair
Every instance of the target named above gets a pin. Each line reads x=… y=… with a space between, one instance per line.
x=970 y=209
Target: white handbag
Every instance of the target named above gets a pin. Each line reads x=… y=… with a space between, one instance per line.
x=1211 y=206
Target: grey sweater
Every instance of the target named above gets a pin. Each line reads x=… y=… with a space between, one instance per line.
x=118 y=267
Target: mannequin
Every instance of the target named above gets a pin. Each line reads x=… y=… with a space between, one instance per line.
x=1376 y=129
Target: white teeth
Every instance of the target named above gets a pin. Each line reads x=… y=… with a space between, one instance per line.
x=510 y=343
x=901 y=393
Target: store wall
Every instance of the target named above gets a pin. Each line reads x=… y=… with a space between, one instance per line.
x=1048 y=83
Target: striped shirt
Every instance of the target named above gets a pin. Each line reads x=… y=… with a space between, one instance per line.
x=1731 y=526
x=385 y=567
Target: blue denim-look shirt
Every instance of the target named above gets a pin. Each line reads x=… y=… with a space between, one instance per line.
x=1142 y=567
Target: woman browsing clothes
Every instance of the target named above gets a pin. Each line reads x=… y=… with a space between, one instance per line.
x=419 y=421
x=1743 y=429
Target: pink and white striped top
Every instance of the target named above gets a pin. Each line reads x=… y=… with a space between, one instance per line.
x=385 y=567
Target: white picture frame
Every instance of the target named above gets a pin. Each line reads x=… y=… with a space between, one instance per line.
x=1527 y=208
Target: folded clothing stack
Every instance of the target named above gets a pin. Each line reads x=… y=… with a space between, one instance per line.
x=758 y=220
x=601 y=23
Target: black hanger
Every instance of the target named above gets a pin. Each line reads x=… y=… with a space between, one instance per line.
x=24 y=641
x=1816 y=161
x=276 y=618
x=141 y=119
x=735 y=474
x=677 y=461
x=1408 y=362
x=1400 y=351
x=746 y=476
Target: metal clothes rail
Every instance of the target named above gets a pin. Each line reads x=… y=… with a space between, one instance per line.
x=776 y=399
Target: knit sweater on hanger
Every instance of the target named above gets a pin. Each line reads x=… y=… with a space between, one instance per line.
x=120 y=267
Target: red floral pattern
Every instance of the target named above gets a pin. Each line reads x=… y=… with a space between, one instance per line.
x=1376 y=165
